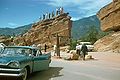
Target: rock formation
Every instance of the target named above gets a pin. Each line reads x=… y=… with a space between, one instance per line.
x=5 y=40
x=46 y=31
x=110 y=16
x=110 y=21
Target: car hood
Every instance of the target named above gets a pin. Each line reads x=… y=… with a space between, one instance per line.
x=5 y=60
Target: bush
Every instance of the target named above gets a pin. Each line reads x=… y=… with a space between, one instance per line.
x=73 y=44
x=93 y=35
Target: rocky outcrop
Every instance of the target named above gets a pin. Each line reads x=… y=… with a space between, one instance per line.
x=110 y=21
x=110 y=16
x=46 y=31
x=6 y=40
x=109 y=43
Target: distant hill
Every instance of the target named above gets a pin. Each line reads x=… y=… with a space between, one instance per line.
x=15 y=31
x=81 y=26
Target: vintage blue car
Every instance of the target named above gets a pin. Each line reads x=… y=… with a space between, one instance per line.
x=20 y=61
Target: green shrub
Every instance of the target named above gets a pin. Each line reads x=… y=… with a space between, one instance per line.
x=93 y=35
x=73 y=44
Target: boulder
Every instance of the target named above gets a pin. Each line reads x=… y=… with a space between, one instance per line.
x=109 y=16
x=88 y=57
x=110 y=21
x=74 y=56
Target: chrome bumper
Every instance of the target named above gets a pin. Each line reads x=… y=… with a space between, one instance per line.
x=11 y=72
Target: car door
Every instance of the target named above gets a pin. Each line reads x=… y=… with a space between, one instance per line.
x=41 y=62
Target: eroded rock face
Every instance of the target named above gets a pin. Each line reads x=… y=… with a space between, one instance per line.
x=44 y=32
x=110 y=16
x=110 y=21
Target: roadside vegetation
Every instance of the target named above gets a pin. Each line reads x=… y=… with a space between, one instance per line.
x=92 y=36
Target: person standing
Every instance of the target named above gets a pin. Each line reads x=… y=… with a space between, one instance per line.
x=84 y=51
x=57 y=11
x=55 y=49
x=43 y=16
x=45 y=47
x=61 y=10
x=78 y=49
x=53 y=14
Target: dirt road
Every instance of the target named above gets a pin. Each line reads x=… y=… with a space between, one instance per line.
x=105 y=66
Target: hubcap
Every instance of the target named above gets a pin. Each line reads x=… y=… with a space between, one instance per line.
x=25 y=74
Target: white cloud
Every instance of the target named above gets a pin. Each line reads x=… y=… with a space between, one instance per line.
x=11 y=24
x=74 y=18
x=93 y=6
x=88 y=3
x=63 y=3
x=83 y=8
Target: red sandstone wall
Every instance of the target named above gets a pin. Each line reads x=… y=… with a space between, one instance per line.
x=110 y=16
x=44 y=32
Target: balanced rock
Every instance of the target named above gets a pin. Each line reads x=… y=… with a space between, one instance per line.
x=110 y=16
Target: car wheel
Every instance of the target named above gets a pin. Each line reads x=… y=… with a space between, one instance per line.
x=24 y=77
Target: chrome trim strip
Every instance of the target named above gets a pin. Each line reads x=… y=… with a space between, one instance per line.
x=14 y=75
x=12 y=61
x=3 y=64
x=3 y=69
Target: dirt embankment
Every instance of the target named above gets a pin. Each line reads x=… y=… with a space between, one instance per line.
x=109 y=43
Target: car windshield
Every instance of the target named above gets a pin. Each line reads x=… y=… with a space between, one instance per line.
x=16 y=51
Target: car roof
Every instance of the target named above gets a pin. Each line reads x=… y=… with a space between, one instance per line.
x=85 y=42
x=26 y=47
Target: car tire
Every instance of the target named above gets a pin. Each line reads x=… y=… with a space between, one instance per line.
x=25 y=74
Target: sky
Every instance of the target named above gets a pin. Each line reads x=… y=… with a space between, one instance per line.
x=15 y=13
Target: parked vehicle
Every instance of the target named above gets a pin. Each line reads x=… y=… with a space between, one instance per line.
x=88 y=44
x=20 y=61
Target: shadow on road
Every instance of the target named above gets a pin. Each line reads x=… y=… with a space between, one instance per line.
x=42 y=75
x=46 y=75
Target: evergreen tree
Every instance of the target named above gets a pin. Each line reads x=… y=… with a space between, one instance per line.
x=91 y=35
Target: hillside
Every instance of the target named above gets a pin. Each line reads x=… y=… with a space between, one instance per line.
x=80 y=27
x=15 y=31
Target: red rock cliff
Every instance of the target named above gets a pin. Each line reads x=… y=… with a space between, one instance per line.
x=110 y=21
x=45 y=31
x=110 y=16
